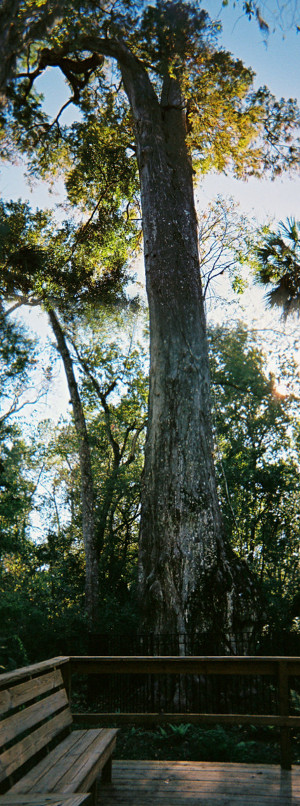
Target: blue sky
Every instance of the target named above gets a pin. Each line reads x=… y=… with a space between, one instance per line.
x=275 y=59
x=276 y=63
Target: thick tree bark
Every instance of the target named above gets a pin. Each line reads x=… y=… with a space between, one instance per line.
x=189 y=578
x=87 y=496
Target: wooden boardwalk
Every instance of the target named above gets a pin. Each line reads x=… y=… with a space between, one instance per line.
x=184 y=783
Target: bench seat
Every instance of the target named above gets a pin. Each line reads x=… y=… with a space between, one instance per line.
x=39 y=751
x=73 y=765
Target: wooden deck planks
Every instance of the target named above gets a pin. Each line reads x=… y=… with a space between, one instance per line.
x=173 y=783
x=72 y=766
x=47 y=800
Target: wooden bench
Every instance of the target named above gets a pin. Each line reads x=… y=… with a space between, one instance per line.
x=39 y=753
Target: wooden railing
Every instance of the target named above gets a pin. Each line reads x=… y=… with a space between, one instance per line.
x=277 y=669
x=280 y=669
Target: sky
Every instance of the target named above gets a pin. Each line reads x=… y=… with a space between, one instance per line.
x=276 y=62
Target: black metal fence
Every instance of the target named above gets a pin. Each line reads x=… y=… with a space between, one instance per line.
x=266 y=642
x=184 y=694
x=200 y=690
x=188 y=693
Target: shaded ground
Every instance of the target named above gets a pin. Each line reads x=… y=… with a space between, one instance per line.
x=190 y=743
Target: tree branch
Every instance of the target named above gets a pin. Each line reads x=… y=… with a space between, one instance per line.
x=103 y=399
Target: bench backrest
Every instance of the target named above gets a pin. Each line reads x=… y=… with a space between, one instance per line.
x=33 y=714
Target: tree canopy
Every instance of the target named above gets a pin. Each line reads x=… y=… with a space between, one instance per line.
x=230 y=126
x=42 y=566
x=158 y=99
x=278 y=266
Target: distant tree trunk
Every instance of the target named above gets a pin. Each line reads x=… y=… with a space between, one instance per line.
x=8 y=44
x=87 y=496
x=189 y=578
x=18 y=28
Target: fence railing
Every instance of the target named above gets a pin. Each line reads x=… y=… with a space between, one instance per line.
x=197 y=690
x=266 y=641
x=185 y=677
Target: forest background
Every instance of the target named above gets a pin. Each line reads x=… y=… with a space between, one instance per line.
x=256 y=422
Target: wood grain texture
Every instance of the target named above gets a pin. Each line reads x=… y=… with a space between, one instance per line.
x=16 y=756
x=46 y=800
x=72 y=766
x=163 y=783
x=28 y=671
x=17 y=724
x=34 y=780
x=285 y=734
x=18 y=695
x=109 y=718
x=93 y=762
x=237 y=665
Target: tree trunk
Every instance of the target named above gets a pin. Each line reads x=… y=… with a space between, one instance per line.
x=8 y=14
x=189 y=579
x=87 y=497
x=18 y=29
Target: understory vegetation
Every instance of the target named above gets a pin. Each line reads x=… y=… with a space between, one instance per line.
x=248 y=745
x=149 y=459
x=42 y=553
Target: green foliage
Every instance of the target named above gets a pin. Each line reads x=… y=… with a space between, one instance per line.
x=226 y=240
x=12 y=653
x=103 y=171
x=42 y=263
x=17 y=358
x=45 y=625
x=42 y=580
x=257 y=463
x=171 y=35
x=192 y=743
x=15 y=490
x=113 y=389
x=278 y=266
x=179 y=730
x=231 y=126
x=41 y=584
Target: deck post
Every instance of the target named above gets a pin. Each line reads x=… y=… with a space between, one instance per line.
x=285 y=734
x=67 y=678
x=106 y=772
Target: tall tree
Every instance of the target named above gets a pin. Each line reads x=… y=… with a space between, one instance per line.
x=30 y=245
x=179 y=97
x=113 y=390
x=86 y=474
